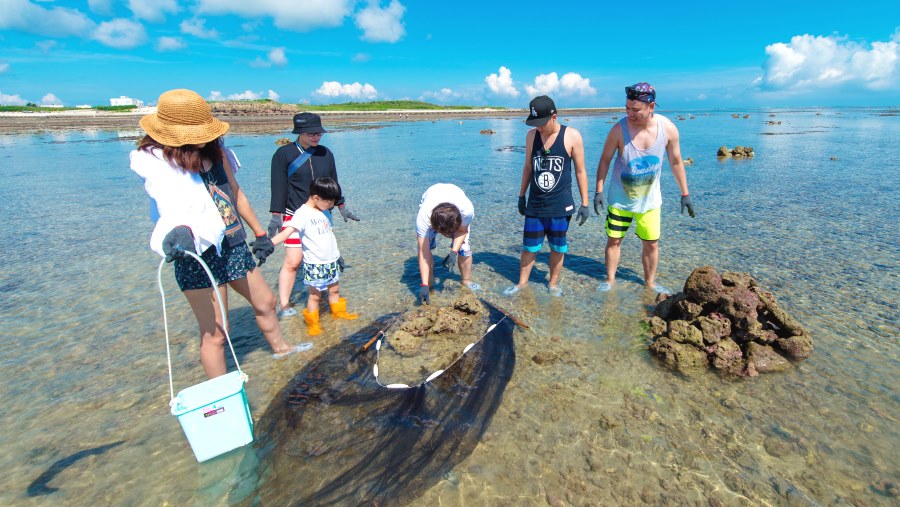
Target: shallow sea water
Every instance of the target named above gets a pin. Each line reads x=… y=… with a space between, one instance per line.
x=595 y=422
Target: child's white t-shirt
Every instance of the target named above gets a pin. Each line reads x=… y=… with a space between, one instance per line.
x=314 y=226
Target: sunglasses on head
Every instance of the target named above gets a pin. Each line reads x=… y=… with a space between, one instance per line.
x=632 y=94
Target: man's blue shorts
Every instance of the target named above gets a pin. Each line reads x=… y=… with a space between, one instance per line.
x=554 y=228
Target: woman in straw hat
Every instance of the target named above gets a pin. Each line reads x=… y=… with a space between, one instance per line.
x=198 y=205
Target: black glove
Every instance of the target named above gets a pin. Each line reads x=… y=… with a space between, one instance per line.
x=347 y=214
x=582 y=215
x=262 y=247
x=424 y=295
x=686 y=203
x=177 y=241
x=340 y=262
x=522 y=205
x=450 y=261
x=598 y=203
x=275 y=225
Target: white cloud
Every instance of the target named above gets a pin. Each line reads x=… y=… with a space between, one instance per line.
x=152 y=10
x=197 y=28
x=816 y=62
x=361 y=57
x=443 y=95
x=4 y=67
x=382 y=25
x=46 y=45
x=169 y=44
x=570 y=84
x=297 y=15
x=273 y=95
x=502 y=84
x=50 y=100
x=120 y=33
x=353 y=91
x=275 y=57
x=215 y=95
x=11 y=100
x=102 y=7
x=245 y=95
x=27 y=17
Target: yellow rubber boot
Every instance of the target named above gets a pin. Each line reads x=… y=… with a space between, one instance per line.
x=312 y=322
x=339 y=310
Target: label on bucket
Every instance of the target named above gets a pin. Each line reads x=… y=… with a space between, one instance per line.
x=213 y=411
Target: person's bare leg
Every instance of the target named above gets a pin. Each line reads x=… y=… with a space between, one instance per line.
x=650 y=259
x=212 y=335
x=293 y=257
x=312 y=302
x=613 y=247
x=556 y=264
x=257 y=292
x=334 y=293
x=465 y=268
x=526 y=263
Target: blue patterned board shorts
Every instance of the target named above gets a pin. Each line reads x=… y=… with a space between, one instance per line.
x=554 y=228
x=320 y=276
x=233 y=264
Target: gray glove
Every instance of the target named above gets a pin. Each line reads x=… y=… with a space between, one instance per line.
x=262 y=247
x=450 y=261
x=522 y=205
x=582 y=215
x=598 y=203
x=340 y=262
x=177 y=241
x=275 y=225
x=686 y=203
x=425 y=295
x=347 y=214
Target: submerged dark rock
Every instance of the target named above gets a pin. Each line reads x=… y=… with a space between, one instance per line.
x=727 y=321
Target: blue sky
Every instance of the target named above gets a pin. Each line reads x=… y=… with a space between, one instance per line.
x=697 y=54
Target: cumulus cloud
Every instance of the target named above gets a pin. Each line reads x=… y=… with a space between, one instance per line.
x=152 y=10
x=102 y=7
x=245 y=95
x=443 y=95
x=27 y=17
x=11 y=100
x=169 y=43
x=197 y=28
x=817 y=62
x=46 y=45
x=4 y=67
x=215 y=95
x=382 y=25
x=273 y=95
x=353 y=91
x=361 y=57
x=50 y=100
x=120 y=33
x=298 y=15
x=570 y=84
x=275 y=57
x=502 y=83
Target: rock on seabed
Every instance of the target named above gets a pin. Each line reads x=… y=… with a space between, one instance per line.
x=726 y=321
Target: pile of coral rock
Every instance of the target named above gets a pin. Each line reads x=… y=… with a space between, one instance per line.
x=736 y=152
x=728 y=322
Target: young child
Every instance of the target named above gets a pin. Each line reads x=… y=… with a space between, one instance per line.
x=320 y=251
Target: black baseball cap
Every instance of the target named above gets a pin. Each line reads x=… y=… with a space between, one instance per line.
x=540 y=110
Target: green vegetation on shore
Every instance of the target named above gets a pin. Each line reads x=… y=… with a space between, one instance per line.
x=32 y=109
x=383 y=105
x=115 y=108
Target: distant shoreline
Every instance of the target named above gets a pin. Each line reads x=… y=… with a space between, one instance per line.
x=23 y=123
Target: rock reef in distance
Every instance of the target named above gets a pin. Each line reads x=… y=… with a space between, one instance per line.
x=726 y=321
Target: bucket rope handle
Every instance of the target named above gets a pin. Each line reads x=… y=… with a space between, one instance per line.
x=162 y=294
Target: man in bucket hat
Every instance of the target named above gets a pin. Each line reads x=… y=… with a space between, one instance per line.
x=294 y=167
x=642 y=140
x=551 y=149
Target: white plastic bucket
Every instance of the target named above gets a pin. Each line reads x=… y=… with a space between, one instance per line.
x=215 y=416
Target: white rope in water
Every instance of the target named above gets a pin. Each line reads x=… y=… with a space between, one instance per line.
x=433 y=375
x=162 y=294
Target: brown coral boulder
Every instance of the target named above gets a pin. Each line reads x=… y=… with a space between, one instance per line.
x=765 y=359
x=796 y=347
x=680 y=356
x=704 y=285
x=714 y=327
x=405 y=343
x=740 y=305
x=682 y=332
x=727 y=357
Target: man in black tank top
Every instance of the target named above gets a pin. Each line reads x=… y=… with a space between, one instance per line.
x=550 y=151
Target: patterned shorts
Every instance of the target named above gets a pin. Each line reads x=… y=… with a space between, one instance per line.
x=320 y=276
x=646 y=225
x=554 y=228
x=234 y=264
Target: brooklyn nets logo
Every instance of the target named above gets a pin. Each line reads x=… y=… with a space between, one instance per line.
x=547 y=171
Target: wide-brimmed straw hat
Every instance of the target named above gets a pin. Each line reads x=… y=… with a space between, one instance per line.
x=182 y=117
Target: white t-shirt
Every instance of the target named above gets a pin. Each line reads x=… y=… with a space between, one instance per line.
x=314 y=227
x=441 y=193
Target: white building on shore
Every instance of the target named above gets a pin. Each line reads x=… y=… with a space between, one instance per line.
x=126 y=101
